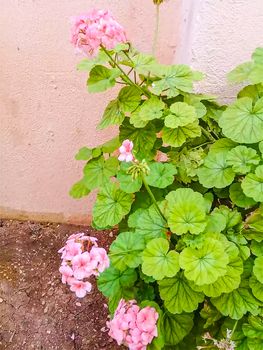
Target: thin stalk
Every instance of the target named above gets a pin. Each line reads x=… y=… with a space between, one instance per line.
x=126 y=78
x=234 y=328
x=156 y=30
x=152 y=196
x=207 y=134
x=202 y=144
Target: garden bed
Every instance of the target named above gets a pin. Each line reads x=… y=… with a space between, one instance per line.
x=36 y=310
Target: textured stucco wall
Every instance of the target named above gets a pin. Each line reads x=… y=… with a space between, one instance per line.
x=216 y=36
x=46 y=114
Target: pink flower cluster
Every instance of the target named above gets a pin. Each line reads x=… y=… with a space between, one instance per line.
x=132 y=326
x=81 y=258
x=126 y=151
x=96 y=28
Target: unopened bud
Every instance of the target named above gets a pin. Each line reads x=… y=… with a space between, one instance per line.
x=158 y=2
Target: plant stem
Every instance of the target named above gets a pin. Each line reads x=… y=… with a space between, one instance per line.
x=202 y=144
x=207 y=134
x=126 y=78
x=156 y=30
x=152 y=196
x=234 y=328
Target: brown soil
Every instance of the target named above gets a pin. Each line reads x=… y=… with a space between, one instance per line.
x=36 y=310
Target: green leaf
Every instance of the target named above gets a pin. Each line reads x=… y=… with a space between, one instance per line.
x=177 y=137
x=260 y=146
x=143 y=139
x=238 y=197
x=258 y=268
x=242 y=158
x=143 y=63
x=112 y=281
x=161 y=174
x=256 y=287
x=126 y=250
x=210 y=314
x=204 y=265
x=149 y=223
x=111 y=145
x=243 y=122
x=158 y=261
x=111 y=206
x=236 y=303
x=215 y=172
x=84 y=153
x=186 y=211
x=181 y=114
x=79 y=190
x=175 y=78
x=194 y=101
x=102 y=78
x=127 y=183
x=257 y=248
x=129 y=98
x=178 y=295
x=216 y=222
x=151 y=109
x=233 y=217
x=226 y=283
x=253 y=91
x=252 y=184
x=254 y=344
x=222 y=145
x=254 y=328
x=113 y=115
x=176 y=327
x=240 y=73
x=98 y=171
x=87 y=64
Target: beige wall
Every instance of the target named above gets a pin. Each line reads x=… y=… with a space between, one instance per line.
x=46 y=114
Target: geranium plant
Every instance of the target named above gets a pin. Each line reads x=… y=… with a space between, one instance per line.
x=183 y=180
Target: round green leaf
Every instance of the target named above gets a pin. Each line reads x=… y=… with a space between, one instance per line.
x=257 y=248
x=127 y=183
x=129 y=98
x=186 y=211
x=226 y=283
x=84 y=153
x=102 y=78
x=236 y=303
x=181 y=115
x=126 y=250
x=111 y=206
x=204 y=265
x=149 y=223
x=239 y=198
x=175 y=327
x=161 y=175
x=252 y=184
x=215 y=172
x=79 y=190
x=151 y=109
x=176 y=137
x=243 y=122
x=113 y=115
x=178 y=295
x=241 y=158
x=223 y=145
x=112 y=281
x=158 y=261
x=257 y=288
x=260 y=146
x=258 y=268
x=97 y=171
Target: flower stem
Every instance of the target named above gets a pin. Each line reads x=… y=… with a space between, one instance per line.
x=207 y=134
x=152 y=196
x=156 y=30
x=126 y=78
x=234 y=328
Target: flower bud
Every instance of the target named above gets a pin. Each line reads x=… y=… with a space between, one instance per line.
x=158 y=2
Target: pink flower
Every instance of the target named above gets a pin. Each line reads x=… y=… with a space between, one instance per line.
x=71 y=249
x=132 y=326
x=126 y=151
x=81 y=266
x=96 y=28
x=66 y=272
x=100 y=258
x=80 y=288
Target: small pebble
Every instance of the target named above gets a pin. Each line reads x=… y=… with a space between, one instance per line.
x=111 y=234
x=48 y=332
x=1 y=300
x=78 y=303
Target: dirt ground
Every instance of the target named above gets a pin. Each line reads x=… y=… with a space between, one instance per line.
x=36 y=310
